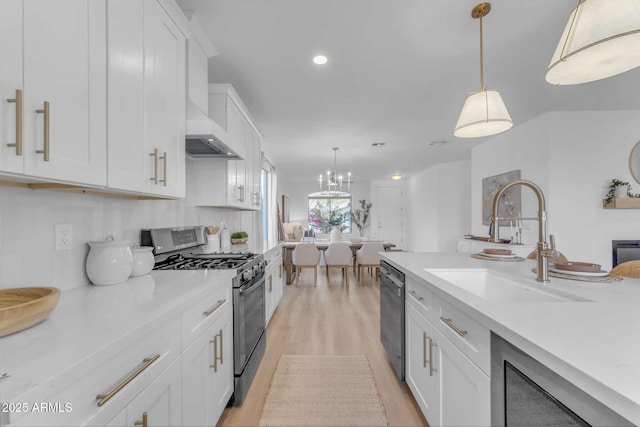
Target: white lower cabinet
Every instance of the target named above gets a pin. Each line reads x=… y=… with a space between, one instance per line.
x=273 y=282
x=157 y=405
x=207 y=372
x=450 y=389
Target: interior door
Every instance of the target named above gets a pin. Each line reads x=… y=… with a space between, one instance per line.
x=389 y=213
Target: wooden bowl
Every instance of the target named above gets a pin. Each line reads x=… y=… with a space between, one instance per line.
x=21 y=308
x=584 y=267
x=495 y=251
x=239 y=241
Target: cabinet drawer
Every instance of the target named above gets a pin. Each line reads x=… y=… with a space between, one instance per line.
x=420 y=297
x=118 y=373
x=471 y=337
x=203 y=312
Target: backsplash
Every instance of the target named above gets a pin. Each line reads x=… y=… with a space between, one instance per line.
x=28 y=217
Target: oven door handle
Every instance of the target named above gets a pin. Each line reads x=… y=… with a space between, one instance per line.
x=252 y=287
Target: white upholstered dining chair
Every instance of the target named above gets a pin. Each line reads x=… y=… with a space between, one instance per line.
x=339 y=255
x=367 y=257
x=306 y=255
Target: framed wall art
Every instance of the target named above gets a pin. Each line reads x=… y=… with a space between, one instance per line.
x=509 y=205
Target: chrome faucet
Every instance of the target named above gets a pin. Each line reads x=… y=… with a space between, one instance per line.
x=543 y=251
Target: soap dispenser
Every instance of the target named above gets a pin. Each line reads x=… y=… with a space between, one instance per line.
x=225 y=239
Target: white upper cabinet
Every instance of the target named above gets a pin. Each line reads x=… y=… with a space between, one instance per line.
x=239 y=178
x=55 y=53
x=146 y=99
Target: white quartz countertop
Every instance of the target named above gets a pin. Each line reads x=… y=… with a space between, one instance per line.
x=594 y=343
x=89 y=318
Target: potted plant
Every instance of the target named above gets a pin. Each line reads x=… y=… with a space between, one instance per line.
x=360 y=217
x=239 y=237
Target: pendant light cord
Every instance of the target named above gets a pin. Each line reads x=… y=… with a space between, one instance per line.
x=481 y=56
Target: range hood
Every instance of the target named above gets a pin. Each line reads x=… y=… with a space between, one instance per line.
x=206 y=138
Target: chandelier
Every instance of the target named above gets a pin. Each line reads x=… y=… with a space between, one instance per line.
x=333 y=181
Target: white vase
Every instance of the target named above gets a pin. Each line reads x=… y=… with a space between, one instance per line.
x=621 y=192
x=109 y=261
x=336 y=235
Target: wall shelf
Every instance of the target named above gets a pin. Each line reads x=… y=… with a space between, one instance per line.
x=622 y=203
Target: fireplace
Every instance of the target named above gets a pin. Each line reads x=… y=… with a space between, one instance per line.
x=624 y=250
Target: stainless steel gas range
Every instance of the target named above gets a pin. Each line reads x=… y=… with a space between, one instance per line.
x=181 y=249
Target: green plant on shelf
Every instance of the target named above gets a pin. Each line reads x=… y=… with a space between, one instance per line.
x=613 y=186
x=239 y=235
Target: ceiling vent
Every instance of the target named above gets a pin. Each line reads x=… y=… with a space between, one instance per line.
x=378 y=144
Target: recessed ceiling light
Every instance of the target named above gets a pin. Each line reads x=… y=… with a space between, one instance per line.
x=396 y=176
x=320 y=59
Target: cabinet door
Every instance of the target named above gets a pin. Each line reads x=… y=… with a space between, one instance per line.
x=65 y=66
x=270 y=294
x=11 y=159
x=465 y=391
x=159 y=404
x=168 y=130
x=207 y=373
x=249 y=164
x=130 y=163
x=420 y=374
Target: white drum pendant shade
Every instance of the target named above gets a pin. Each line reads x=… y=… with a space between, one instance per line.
x=601 y=39
x=483 y=114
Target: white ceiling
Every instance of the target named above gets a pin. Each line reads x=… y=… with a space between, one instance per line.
x=398 y=73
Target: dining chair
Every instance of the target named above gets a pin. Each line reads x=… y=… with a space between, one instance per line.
x=368 y=257
x=339 y=255
x=306 y=255
x=627 y=269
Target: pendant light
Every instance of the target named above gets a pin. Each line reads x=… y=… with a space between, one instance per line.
x=334 y=181
x=601 y=39
x=483 y=112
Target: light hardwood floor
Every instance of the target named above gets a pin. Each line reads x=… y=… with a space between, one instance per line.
x=328 y=320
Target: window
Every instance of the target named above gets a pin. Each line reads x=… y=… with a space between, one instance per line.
x=328 y=209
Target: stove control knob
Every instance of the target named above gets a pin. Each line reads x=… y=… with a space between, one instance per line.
x=247 y=275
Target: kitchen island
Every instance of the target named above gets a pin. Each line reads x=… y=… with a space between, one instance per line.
x=587 y=338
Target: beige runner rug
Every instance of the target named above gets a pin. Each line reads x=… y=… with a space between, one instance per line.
x=323 y=391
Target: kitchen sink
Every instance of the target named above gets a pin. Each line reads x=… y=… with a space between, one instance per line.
x=495 y=287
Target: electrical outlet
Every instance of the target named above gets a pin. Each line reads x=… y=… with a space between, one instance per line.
x=64 y=237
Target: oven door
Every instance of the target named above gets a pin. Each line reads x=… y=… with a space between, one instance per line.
x=248 y=320
x=524 y=392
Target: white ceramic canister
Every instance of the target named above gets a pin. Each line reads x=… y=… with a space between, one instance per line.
x=143 y=260
x=109 y=261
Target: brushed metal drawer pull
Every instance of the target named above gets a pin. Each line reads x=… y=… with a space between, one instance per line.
x=214 y=308
x=164 y=169
x=154 y=154
x=416 y=296
x=217 y=357
x=45 y=150
x=144 y=421
x=424 y=349
x=104 y=398
x=450 y=324
x=431 y=368
x=18 y=101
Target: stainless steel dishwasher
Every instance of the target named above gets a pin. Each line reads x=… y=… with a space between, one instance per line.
x=392 y=315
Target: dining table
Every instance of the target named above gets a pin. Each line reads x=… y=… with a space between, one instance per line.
x=288 y=247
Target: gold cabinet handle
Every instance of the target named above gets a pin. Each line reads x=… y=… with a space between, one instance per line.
x=154 y=178
x=142 y=423
x=104 y=398
x=217 y=357
x=450 y=324
x=424 y=349
x=416 y=296
x=45 y=150
x=164 y=168
x=18 y=102
x=214 y=308
x=431 y=368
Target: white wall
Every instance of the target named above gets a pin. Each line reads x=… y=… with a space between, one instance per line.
x=27 y=219
x=438 y=206
x=572 y=156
